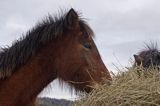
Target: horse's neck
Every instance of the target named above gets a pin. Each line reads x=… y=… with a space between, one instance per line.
x=25 y=84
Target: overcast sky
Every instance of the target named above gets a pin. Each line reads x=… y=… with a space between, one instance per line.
x=121 y=26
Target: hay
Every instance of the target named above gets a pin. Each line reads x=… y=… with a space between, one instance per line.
x=136 y=87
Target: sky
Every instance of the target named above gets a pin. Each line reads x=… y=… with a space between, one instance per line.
x=122 y=27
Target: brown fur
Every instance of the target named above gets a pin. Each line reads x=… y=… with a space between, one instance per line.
x=72 y=57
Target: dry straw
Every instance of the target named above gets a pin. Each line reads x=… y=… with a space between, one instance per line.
x=135 y=87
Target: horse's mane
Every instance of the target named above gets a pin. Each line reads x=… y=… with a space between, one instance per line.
x=149 y=48
x=25 y=47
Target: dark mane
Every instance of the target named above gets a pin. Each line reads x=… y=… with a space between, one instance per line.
x=24 y=48
x=149 y=49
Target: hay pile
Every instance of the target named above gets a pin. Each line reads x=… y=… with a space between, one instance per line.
x=136 y=87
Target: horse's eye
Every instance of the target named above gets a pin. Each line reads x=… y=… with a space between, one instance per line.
x=87 y=45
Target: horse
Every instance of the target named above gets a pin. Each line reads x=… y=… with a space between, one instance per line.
x=150 y=57
x=60 y=46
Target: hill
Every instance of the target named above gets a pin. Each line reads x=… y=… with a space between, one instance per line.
x=53 y=102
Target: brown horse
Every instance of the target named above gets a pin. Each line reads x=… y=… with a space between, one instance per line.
x=59 y=47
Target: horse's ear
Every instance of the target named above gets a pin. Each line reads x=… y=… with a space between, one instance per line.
x=138 y=59
x=71 y=19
